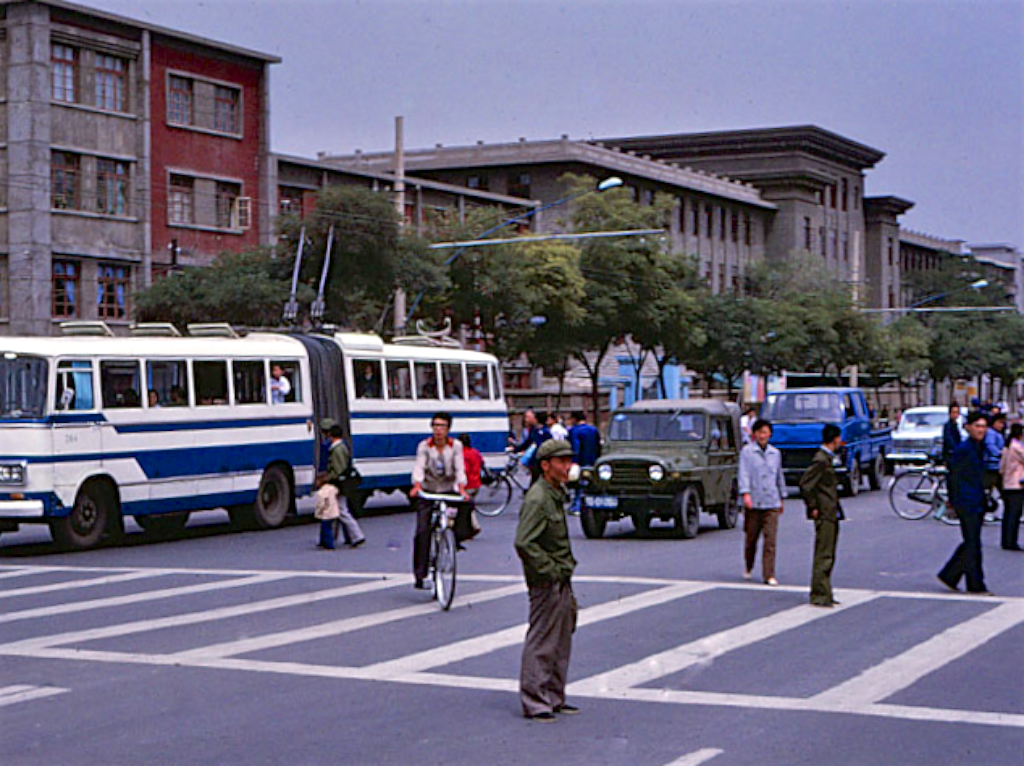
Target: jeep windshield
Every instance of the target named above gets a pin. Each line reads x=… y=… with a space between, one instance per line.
x=803 y=407
x=22 y=386
x=657 y=427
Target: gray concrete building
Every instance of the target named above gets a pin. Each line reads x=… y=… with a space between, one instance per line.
x=722 y=222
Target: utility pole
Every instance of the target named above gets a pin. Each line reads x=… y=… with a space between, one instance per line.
x=399 y=318
x=855 y=278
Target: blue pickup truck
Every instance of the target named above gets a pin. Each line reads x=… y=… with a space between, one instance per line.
x=798 y=416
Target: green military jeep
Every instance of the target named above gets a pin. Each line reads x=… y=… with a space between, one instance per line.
x=667 y=460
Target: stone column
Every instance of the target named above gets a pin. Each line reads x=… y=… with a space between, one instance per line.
x=28 y=164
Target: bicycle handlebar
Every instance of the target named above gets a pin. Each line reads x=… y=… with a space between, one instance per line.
x=438 y=498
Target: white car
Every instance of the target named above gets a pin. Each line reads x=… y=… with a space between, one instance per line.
x=918 y=438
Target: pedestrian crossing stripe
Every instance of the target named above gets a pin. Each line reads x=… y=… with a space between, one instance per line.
x=864 y=694
x=12 y=695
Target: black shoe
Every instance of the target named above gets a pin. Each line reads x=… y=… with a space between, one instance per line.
x=836 y=603
x=460 y=547
x=544 y=717
x=820 y=605
x=567 y=709
x=1012 y=548
x=951 y=587
x=357 y=543
x=980 y=593
x=421 y=584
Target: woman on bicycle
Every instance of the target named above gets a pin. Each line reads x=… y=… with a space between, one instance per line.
x=1011 y=469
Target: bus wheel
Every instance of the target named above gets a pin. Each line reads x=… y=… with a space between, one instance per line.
x=89 y=519
x=274 y=499
x=164 y=525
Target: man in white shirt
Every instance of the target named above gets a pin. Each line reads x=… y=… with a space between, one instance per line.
x=280 y=386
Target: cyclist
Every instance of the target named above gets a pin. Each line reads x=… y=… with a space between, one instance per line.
x=537 y=434
x=440 y=468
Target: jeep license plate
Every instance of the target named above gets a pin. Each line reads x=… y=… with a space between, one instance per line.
x=601 y=501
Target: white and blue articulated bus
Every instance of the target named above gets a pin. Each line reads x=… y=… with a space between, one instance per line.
x=94 y=428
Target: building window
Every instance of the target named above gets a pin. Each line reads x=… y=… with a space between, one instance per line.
x=111 y=74
x=709 y=215
x=646 y=197
x=845 y=194
x=226 y=196
x=722 y=214
x=823 y=241
x=695 y=218
x=807 y=234
x=748 y=235
x=480 y=182
x=832 y=196
x=65 y=289
x=64 y=67
x=182 y=197
x=179 y=105
x=520 y=187
x=65 y=180
x=289 y=200
x=225 y=109
x=890 y=249
x=735 y=227
x=112 y=288
x=112 y=187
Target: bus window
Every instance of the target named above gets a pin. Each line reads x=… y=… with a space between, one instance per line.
x=167 y=381
x=74 y=386
x=426 y=380
x=451 y=377
x=120 y=383
x=211 y=381
x=251 y=382
x=367 y=375
x=285 y=385
x=399 y=383
x=496 y=392
x=478 y=388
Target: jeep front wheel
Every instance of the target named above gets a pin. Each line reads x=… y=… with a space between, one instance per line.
x=687 y=513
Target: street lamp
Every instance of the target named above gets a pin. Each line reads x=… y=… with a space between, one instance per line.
x=605 y=185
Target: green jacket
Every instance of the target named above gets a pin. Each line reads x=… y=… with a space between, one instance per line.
x=542 y=537
x=819 y=487
x=338 y=462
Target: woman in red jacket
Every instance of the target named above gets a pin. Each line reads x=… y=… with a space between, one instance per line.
x=474 y=463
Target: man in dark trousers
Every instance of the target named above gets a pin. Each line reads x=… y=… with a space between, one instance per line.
x=967 y=495
x=819 y=489
x=542 y=542
x=951 y=435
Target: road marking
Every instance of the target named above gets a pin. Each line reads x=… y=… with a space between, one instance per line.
x=479 y=645
x=135 y=598
x=338 y=627
x=706 y=648
x=697 y=757
x=73 y=584
x=9 y=573
x=897 y=673
x=192 y=618
x=11 y=695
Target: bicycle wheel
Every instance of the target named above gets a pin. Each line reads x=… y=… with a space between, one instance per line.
x=912 y=495
x=491 y=499
x=444 y=568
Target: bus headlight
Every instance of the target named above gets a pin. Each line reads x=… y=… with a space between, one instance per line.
x=656 y=472
x=12 y=473
x=604 y=472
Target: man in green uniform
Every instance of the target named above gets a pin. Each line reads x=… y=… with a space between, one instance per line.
x=819 y=489
x=542 y=542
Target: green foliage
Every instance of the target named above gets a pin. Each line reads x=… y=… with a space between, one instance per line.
x=239 y=288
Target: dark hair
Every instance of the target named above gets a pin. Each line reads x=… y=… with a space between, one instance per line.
x=975 y=416
x=996 y=417
x=542 y=417
x=1016 y=432
x=830 y=432
x=952 y=405
x=446 y=417
x=761 y=423
x=466 y=440
x=579 y=415
x=335 y=432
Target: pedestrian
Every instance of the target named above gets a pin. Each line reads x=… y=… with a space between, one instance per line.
x=542 y=543
x=1011 y=469
x=762 y=486
x=440 y=468
x=280 y=386
x=951 y=435
x=474 y=463
x=967 y=496
x=339 y=472
x=994 y=444
x=537 y=433
x=327 y=509
x=585 y=440
x=558 y=431
x=819 y=489
x=747 y=424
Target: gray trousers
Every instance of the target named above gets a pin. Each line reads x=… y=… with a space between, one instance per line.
x=547 y=648
x=349 y=526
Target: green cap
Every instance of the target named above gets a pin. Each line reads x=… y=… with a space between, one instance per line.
x=554 y=448
x=326 y=424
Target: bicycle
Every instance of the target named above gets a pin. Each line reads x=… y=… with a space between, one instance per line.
x=495 y=493
x=443 y=546
x=924 y=491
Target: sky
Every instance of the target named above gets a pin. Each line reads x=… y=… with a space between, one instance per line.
x=938 y=85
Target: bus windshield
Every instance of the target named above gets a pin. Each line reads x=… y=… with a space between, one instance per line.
x=22 y=386
x=797 y=407
x=657 y=426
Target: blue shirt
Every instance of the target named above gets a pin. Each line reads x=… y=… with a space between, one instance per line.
x=586 y=443
x=967 y=476
x=537 y=436
x=994 y=444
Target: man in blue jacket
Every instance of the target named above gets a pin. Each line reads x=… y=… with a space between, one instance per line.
x=586 y=446
x=538 y=434
x=967 y=494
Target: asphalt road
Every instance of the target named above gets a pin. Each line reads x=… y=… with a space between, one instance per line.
x=258 y=648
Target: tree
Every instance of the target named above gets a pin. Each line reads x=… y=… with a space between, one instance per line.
x=239 y=288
